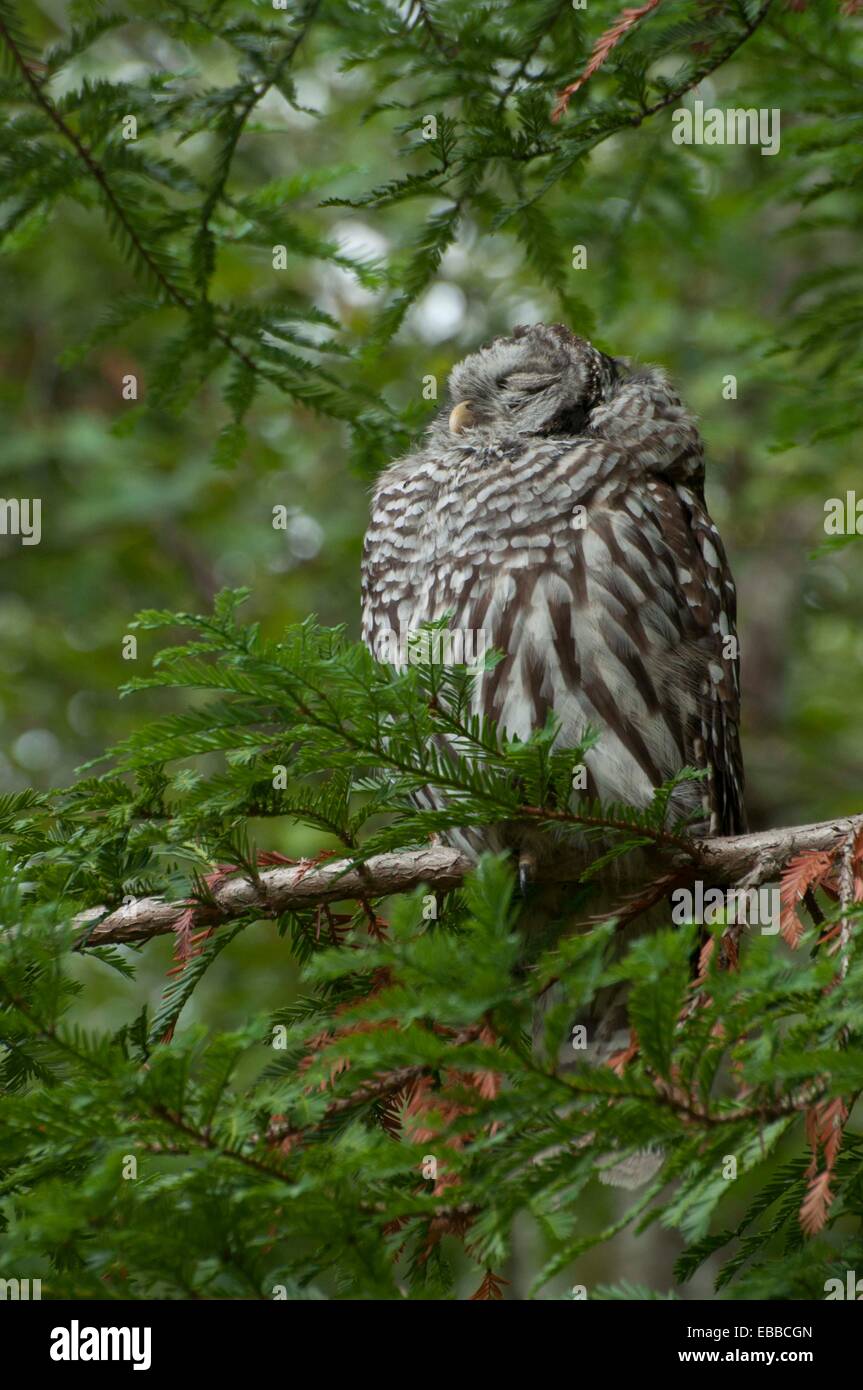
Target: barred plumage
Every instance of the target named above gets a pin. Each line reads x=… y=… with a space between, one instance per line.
x=557 y=505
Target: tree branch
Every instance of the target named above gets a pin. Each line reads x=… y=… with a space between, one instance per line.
x=618 y=30
x=738 y=859
x=171 y=292
x=257 y=91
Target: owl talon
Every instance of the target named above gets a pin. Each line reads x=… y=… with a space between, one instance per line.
x=526 y=872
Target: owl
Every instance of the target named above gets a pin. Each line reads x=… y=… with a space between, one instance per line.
x=556 y=505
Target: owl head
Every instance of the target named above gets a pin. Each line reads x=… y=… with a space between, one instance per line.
x=543 y=380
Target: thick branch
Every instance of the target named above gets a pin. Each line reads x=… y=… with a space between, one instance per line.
x=276 y=890
x=738 y=859
x=761 y=857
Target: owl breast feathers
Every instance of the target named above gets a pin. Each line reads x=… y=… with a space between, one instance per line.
x=557 y=508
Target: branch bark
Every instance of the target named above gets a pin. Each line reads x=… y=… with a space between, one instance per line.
x=747 y=860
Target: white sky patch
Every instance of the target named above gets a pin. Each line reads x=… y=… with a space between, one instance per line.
x=526 y=311
x=37 y=749
x=501 y=260
x=312 y=90
x=304 y=535
x=440 y=313
x=277 y=110
x=362 y=243
x=358 y=239
x=455 y=261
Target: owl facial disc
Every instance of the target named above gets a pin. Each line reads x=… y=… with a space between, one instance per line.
x=543 y=381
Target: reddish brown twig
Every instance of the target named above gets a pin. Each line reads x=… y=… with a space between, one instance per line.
x=603 y=46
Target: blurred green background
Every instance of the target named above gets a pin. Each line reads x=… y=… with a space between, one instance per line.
x=712 y=261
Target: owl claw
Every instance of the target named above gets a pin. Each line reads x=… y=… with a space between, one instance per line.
x=526 y=872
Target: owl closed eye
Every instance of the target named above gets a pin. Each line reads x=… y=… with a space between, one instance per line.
x=543 y=380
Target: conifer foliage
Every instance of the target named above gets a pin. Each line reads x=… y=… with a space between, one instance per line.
x=381 y=1134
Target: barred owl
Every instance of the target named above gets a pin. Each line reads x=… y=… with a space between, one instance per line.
x=557 y=506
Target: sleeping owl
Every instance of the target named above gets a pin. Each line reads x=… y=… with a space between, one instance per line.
x=556 y=505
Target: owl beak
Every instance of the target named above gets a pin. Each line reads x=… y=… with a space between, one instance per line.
x=461 y=417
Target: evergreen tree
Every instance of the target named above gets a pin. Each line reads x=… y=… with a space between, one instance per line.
x=381 y=1132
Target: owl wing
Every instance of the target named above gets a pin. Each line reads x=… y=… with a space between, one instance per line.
x=618 y=624
x=712 y=599
x=648 y=419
